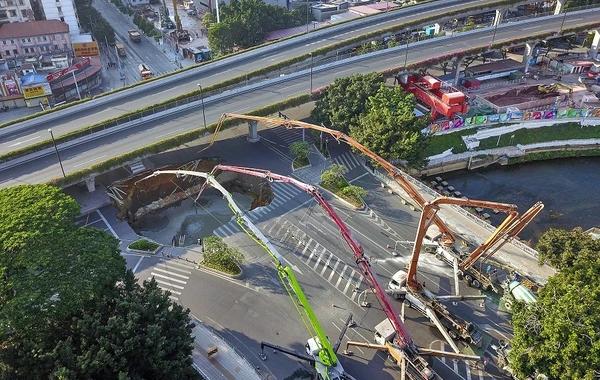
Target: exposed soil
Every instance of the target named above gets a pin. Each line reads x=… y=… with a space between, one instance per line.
x=519 y=95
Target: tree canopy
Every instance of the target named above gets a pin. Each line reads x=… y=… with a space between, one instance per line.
x=389 y=127
x=563 y=249
x=345 y=99
x=244 y=23
x=559 y=335
x=68 y=308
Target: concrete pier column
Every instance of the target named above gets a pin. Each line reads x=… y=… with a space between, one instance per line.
x=595 y=42
x=253 y=131
x=528 y=54
x=499 y=16
x=90 y=183
x=560 y=4
x=456 y=70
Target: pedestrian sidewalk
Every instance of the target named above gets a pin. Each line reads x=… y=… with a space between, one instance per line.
x=215 y=358
x=312 y=173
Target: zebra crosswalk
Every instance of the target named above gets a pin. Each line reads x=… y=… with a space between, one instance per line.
x=284 y=192
x=171 y=276
x=324 y=263
x=290 y=136
x=349 y=160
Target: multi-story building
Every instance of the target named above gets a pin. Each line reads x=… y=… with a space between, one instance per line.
x=15 y=11
x=22 y=40
x=63 y=10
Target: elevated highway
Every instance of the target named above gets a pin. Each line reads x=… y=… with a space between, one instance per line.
x=41 y=168
x=114 y=105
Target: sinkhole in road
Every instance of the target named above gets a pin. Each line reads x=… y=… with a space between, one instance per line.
x=189 y=220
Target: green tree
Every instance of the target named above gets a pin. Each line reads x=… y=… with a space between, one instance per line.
x=129 y=332
x=390 y=128
x=219 y=256
x=220 y=38
x=558 y=335
x=300 y=149
x=333 y=174
x=354 y=191
x=50 y=266
x=563 y=249
x=208 y=20
x=344 y=100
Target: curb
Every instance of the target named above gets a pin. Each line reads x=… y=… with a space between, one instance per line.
x=234 y=276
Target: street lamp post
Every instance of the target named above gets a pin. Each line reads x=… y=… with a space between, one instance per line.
x=57 y=155
x=312 y=58
x=406 y=54
x=202 y=101
x=494 y=36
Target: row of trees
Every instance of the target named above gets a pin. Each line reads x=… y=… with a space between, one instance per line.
x=379 y=117
x=244 y=23
x=93 y=21
x=559 y=336
x=68 y=307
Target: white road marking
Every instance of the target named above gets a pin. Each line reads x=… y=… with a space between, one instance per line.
x=168 y=133
x=107 y=224
x=89 y=161
x=168 y=278
x=166 y=283
x=25 y=141
x=138 y=264
x=171 y=273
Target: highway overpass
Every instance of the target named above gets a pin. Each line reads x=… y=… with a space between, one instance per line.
x=44 y=168
x=145 y=95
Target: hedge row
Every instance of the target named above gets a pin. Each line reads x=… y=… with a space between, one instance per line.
x=171 y=143
x=262 y=71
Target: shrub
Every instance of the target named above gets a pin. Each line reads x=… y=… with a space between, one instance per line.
x=219 y=256
x=144 y=245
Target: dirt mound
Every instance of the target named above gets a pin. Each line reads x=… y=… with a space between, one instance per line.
x=520 y=95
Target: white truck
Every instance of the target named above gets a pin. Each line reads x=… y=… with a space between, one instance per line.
x=426 y=303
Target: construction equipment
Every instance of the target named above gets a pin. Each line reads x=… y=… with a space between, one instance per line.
x=466 y=269
x=431 y=208
x=442 y=98
x=403 y=179
x=319 y=350
x=400 y=342
x=180 y=34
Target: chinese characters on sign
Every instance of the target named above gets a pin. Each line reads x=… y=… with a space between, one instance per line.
x=87 y=49
x=36 y=91
x=78 y=66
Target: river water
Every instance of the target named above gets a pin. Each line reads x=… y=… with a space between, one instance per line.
x=569 y=189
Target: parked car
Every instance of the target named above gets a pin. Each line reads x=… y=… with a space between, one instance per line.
x=191 y=12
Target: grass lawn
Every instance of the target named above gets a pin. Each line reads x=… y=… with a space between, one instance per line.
x=144 y=245
x=442 y=143
x=300 y=161
x=557 y=132
x=337 y=189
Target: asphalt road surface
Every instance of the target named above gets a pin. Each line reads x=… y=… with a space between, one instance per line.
x=256 y=307
x=81 y=156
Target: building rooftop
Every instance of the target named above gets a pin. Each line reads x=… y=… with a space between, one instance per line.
x=495 y=67
x=33 y=28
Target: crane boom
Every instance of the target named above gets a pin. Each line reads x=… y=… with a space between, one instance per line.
x=512 y=231
x=327 y=362
x=430 y=208
x=404 y=340
x=398 y=176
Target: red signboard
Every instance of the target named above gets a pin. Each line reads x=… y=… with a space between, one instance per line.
x=78 y=66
